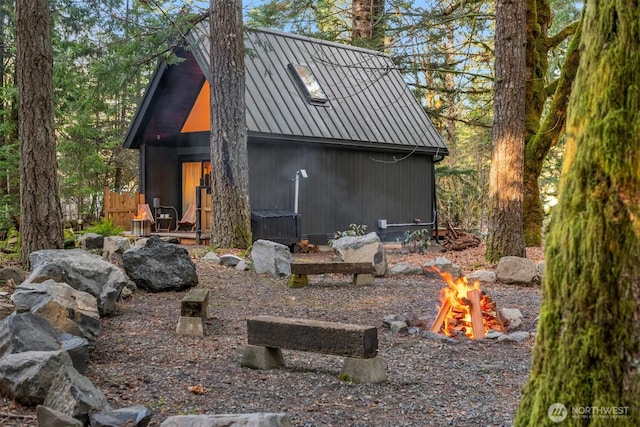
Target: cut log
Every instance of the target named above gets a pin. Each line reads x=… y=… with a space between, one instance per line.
x=305 y=246
x=458 y=240
x=442 y=313
x=332 y=267
x=477 y=324
x=342 y=339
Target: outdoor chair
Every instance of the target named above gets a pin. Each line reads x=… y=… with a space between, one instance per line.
x=188 y=220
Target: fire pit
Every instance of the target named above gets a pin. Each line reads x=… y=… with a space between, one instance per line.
x=140 y=227
x=141 y=222
x=465 y=309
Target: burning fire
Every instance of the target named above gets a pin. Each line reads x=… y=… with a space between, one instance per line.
x=465 y=309
x=142 y=214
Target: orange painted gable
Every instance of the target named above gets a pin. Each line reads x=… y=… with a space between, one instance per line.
x=199 y=119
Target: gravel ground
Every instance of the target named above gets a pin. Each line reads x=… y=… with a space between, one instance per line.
x=140 y=360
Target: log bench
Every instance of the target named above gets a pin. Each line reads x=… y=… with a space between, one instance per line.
x=193 y=310
x=362 y=271
x=267 y=335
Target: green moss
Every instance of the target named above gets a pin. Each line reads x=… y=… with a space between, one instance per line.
x=587 y=348
x=345 y=378
x=298 y=281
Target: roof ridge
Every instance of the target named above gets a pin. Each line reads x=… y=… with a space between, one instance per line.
x=317 y=41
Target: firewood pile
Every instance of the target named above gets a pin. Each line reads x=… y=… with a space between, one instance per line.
x=459 y=240
x=305 y=247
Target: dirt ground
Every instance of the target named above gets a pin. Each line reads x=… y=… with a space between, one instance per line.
x=140 y=360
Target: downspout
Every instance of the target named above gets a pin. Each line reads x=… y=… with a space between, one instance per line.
x=436 y=159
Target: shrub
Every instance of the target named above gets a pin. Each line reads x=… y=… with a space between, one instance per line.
x=105 y=228
x=354 y=230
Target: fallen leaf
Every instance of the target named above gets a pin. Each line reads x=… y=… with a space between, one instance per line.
x=197 y=389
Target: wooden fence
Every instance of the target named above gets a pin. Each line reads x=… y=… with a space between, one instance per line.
x=121 y=207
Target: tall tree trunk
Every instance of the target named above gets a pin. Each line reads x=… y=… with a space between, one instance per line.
x=231 y=214
x=507 y=160
x=543 y=123
x=538 y=145
x=367 y=27
x=41 y=215
x=588 y=343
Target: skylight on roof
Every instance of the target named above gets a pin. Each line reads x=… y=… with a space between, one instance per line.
x=308 y=83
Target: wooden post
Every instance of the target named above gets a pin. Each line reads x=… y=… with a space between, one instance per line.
x=435 y=327
x=477 y=324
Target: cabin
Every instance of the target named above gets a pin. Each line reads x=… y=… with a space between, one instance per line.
x=335 y=137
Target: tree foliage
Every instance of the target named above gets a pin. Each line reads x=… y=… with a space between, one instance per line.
x=104 y=53
x=445 y=51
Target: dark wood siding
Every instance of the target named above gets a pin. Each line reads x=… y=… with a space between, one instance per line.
x=344 y=187
x=161 y=176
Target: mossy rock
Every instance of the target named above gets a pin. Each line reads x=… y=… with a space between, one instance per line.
x=298 y=281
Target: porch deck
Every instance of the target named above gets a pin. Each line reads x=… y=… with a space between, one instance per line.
x=185 y=237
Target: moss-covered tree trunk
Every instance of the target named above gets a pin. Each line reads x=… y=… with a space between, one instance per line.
x=544 y=123
x=231 y=214
x=542 y=137
x=586 y=360
x=507 y=158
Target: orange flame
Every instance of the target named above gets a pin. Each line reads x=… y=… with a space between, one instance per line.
x=455 y=311
x=141 y=214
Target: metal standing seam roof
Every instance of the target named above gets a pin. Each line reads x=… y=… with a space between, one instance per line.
x=369 y=102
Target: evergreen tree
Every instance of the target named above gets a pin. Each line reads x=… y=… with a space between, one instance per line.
x=41 y=216
x=231 y=217
x=507 y=161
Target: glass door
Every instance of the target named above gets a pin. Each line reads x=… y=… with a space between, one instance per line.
x=196 y=174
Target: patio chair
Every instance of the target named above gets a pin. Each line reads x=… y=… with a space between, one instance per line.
x=188 y=220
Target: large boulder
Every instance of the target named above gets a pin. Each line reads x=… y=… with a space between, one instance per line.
x=91 y=241
x=48 y=417
x=82 y=271
x=443 y=265
x=132 y=416
x=13 y=273
x=159 y=266
x=367 y=248
x=516 y=270
x=27 y=377
x=28 y=332
x=271 y=257
x=20 y=332
x=259 y=419
x=485 y=276
x=73 y=394
x=67 y=309
x=404 y=268
x=114 y=248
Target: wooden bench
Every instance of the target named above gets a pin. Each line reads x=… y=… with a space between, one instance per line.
x=362 y=271
x=193 y=310
x=267 y=335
